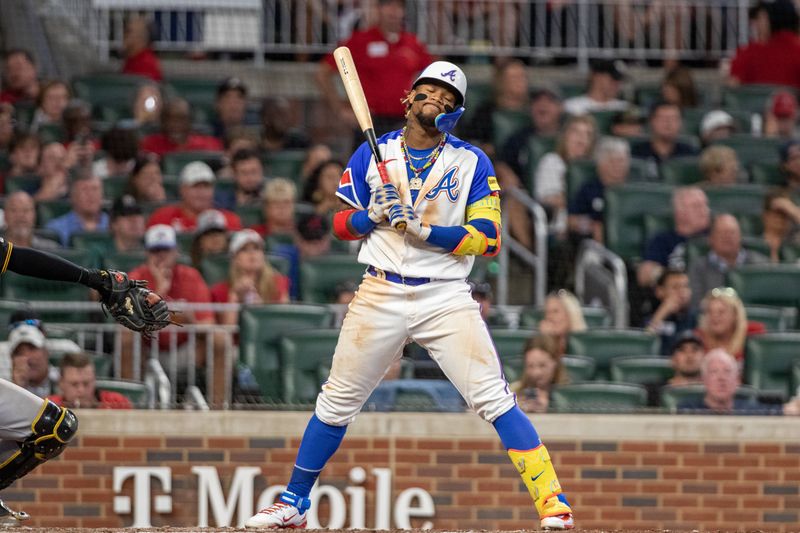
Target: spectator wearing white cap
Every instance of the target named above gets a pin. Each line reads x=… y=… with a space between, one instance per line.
x=197 y=195
x=210 y=238
x=251 y=280
x=30 y=366
x=716 y=125
x=174 y=282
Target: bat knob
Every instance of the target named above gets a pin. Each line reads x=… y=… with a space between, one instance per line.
x=401 y=226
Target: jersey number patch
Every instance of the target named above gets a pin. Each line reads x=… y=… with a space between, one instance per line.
x=448 y=185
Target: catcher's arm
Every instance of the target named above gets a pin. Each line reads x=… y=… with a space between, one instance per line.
x=128 y=301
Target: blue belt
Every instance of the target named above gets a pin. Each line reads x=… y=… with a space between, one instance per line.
x=396 y=278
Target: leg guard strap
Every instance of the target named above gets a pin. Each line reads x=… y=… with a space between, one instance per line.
x=52 y=429
x=291 y=498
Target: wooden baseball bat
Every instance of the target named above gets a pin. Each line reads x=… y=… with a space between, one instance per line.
x=358 y=101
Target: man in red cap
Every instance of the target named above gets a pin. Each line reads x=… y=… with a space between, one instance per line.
x=781 y=116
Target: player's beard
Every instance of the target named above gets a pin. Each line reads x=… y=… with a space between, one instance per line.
x=426 y=121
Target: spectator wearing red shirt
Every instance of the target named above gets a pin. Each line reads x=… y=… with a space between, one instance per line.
x=777 y=59
x=388 y=59
x=78 y=386
x=197 y=195
x=20 y=81
x=251 y=280
x=139 y=56
x=176 y=132
x=176 y=283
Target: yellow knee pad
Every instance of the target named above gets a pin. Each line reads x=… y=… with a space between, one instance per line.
x=538 y=474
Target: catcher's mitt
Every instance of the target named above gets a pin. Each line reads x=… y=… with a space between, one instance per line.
x=132 y=305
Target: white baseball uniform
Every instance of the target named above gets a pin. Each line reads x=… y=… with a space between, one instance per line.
x=414 y=290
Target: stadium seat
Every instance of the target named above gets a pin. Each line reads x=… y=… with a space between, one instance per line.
x=767 y=284
x=578 y=173
x=250 y=215
x=510 y=343
x=320 y=275
x=681 y=171
x=50 y=133
x=657 y=223
x=110 y=95
x=135 y=391
x=595 y=317
x=305 y=363
x=260 y=329
x=603 y=345
x=775 y=319
x=598 y=396
x=125 y=261
x=645 y=370
x=201 y=93
x=92 y=240
x=25 y=182
x=285 y=164
x=673 y=395
x=737 y=200
x=416 y=395
x=572 y=88
x=173 y=163
x=536 y=148
x=279 y=263
x=507 y=123
x=751 y=149
x=752 y=98
x=766 y=173
x=625 y=209
x=603 y=120
x=215 y=268
x=769 y=361
x=796 y=377
x=114 y=187
x=578 y=367
x=48 y=210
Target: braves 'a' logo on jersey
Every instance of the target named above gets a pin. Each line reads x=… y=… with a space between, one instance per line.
x=448 y=185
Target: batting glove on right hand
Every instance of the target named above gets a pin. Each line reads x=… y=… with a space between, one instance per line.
x=403 y=215
x=383 y=198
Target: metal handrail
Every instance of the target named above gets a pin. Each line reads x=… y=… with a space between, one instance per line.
x=592 y=253
x=537 y=260
x=195 y=399
x=157 y=381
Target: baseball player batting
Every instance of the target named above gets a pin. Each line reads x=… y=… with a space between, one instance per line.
x=34 y=430
x=414 y=289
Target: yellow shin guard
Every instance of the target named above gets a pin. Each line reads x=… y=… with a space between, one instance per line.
x=537 y=473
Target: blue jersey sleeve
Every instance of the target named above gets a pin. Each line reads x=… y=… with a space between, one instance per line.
x=353 y=187
x=484 y=181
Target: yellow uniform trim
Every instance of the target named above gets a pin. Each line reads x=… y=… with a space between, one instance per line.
x=8 y=257
x=474 y=243
x=487 y=207
x=493 y=185
x=536 y=470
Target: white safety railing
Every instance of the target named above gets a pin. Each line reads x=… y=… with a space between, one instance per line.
x=582 y=29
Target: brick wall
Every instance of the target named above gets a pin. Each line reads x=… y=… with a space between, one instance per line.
x=642 y=483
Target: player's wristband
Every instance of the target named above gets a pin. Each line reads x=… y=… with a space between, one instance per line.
x=352 y=224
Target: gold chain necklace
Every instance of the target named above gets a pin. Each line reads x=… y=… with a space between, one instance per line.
x=415 y=183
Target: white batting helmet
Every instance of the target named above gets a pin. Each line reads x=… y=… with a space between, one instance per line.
x=446 y=74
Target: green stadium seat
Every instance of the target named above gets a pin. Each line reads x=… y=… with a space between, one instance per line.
x=766 y=173
x=25 y=182
x=796 y=377
x=285 y=164
x=655 y=224
x=279 y=263
x=414 y=395
x=644 y=370
x=625 y=209
x=215 y=268
x=124 y=261
x=98 y=241
x=114 y=187
x=47 y=211
x=681 y=171
x=320 y=275
x=536 y=148
x=49 y=133
x=570 y=89
x=507 y=123
x=745 y=199
x=110 y=95
x=767 y=284
x=201 y=93
x=578 y=173
x=260 y=329
x=777 y=319
x=645 y=95
x=250 y=215
x=603 y=345
x=173 y=163
x=185 y=240
x=769 y=361
x=135 y=391
x=595 y=317
x=673 y=395
x=578 y=367
x=598 y=396
x=510 y=343
x=305 y=363
x=752 y=98
x=751 y=149
x=603 y=120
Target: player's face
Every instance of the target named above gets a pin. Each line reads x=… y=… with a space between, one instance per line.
x=437 y=100
x=720 y=379
x=687 y=358
x=720 y=318
x=540 y=368
x=249 y=174
x=78 y=386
